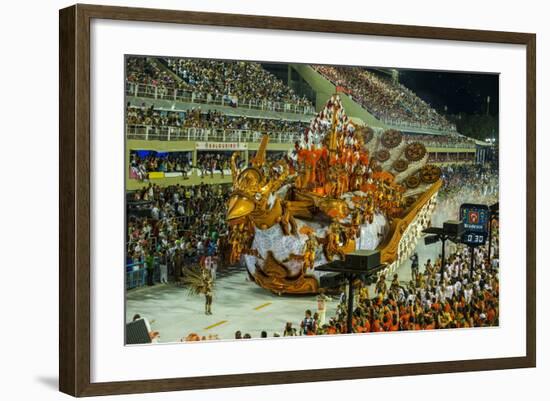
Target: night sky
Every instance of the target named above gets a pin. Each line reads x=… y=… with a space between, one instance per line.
x=460 y=92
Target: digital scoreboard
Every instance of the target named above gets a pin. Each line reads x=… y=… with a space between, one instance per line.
x=476 y=223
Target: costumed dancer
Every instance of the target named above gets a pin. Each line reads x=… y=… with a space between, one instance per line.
x=309 y=252
x=199 y=281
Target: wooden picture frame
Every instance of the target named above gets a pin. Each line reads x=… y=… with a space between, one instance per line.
x=75 y=207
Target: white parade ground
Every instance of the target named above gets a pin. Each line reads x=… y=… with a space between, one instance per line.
x=239 y=304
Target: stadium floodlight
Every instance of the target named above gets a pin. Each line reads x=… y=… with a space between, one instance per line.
x=494 y=214
x=360 y=264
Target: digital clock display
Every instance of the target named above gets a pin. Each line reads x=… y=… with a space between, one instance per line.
x=472 y=238
x=476 y=223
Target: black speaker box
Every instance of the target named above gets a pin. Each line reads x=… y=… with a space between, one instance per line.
x=362 y=260
x=136 y=332
x=453 y=227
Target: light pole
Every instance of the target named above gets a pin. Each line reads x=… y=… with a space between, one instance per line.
x=493 y=215
x=451 y=230
x=437 y=234
x=357 y=264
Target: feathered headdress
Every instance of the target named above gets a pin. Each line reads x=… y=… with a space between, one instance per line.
x=197 y=280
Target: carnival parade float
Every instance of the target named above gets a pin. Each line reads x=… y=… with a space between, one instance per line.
x=343 y=187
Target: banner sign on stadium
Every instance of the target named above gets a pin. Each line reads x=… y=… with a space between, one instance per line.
x=155 y=175
x=221 y=146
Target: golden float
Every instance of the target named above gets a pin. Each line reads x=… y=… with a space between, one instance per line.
x=343 y=187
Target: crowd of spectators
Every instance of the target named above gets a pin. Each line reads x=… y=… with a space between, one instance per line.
x=208 y=162
x=460 y=299
x=210 y=119
x=463 y=183
x=239 y=81
x=386 y=99
x=182 y=225
x=444 y=141
x=144 y=162
x=450 y=157
x=224 y=82
x=143 y=70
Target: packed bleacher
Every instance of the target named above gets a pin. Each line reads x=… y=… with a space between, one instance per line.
x=387 y=100
x=451 y=158
x=198 y=118
x=144 y=162
x=141 y=70
x=241 y=81
x=461 y=184
x=178 y=225
x=208 y=162
x=231 y=83
x=144 y=122
x=443 y=141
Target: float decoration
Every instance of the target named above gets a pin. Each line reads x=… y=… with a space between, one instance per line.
x=327 y=198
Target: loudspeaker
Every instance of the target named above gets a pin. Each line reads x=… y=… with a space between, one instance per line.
x=453 y=227
x=136 y=332
x=362 y=260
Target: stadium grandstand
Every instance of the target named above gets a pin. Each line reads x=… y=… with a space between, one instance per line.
x=191 y=105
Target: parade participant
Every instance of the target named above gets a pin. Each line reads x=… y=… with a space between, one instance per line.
x=308 y=324
x=289 y=330
x=309 y=252
x=394 y=287
x=414 y=266
x=149 y=266
x=208 y=293
x=381 y=286
x=322 y=306
x=199 y=281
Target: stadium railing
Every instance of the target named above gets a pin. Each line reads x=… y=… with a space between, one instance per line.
x=451 y=145
x=166 y=133
x=176 y=94
x=135 y=277
x=408 y=125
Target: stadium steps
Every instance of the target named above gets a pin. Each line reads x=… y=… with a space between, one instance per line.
x=163 y=67
x=324 y=89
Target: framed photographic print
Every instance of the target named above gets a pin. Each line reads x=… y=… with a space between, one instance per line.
x=282 y=200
